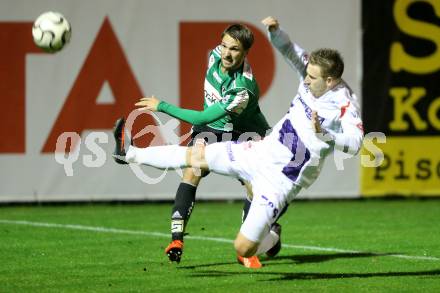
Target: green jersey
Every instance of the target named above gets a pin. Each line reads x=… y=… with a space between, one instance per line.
x=237 y=94
x=230 y=103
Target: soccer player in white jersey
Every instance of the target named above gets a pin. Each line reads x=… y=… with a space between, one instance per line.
x=230 y=109
x=322 y=117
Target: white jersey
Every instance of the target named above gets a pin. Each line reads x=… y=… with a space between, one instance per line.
x=337 y=112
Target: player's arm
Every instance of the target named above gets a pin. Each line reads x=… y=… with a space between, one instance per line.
x=294 y=55
x=210 y=114
x=350 y=139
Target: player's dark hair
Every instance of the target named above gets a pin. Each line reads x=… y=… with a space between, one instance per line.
x=241 y=33
x=329 y=60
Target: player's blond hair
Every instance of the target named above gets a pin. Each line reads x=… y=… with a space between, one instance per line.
x=329 y=60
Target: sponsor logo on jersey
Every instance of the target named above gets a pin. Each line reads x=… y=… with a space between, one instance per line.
x=211 y=94
x=211 y=98
x=309 y=110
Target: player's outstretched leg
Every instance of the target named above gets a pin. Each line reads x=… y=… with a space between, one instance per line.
x=174 y=250
x=252 y=262
x=183 y=206
x=122 y=140
x=276 y=228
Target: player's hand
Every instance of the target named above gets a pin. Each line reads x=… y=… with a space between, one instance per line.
x=271 y=23
x=148 y=103
x=315 y=122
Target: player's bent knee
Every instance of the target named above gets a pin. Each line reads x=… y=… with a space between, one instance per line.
x=196 y=157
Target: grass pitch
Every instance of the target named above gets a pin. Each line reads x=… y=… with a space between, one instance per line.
x=328 y=246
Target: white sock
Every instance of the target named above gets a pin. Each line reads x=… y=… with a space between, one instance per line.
x=268 y=242
x=161 y=157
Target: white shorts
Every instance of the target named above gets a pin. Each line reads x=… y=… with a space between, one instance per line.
x=264 y=211
x=252 y=161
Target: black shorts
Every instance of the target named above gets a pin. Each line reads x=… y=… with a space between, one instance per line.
x=211 y=135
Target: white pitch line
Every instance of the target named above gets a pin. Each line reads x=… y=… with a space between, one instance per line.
x=215 y=239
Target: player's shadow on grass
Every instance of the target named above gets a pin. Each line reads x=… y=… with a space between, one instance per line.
x=314 y=276
x=286 y=276
x=297 y=259
x=316 y=258
x=302 y=259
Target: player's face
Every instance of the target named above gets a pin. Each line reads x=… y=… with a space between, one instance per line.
x=315 y=82
x=233 y=53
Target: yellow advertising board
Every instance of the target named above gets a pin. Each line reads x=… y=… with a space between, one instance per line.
x=407 y=166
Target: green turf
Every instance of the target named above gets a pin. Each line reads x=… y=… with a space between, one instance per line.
x=62 y=259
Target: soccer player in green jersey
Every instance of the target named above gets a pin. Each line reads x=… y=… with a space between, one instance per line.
x=231 y=111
